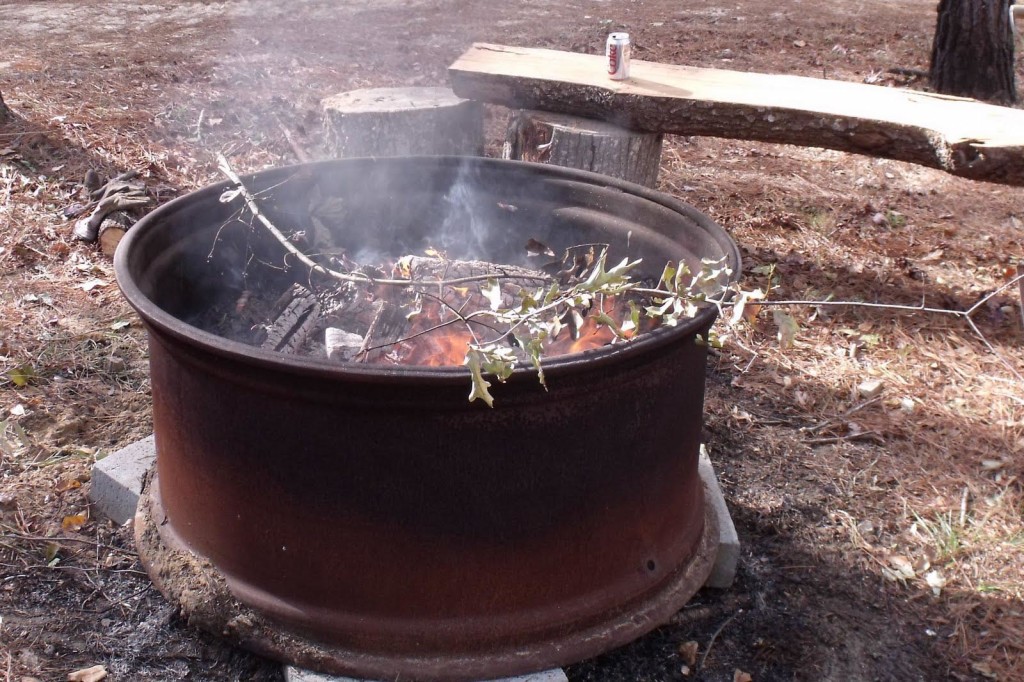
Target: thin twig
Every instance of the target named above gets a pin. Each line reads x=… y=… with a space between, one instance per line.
x=199 y=125
x=84 y=569
x=1020 y=290
x=868 y=435
x=966 y=315
x=250 y=202
x=465 y=319
x=299 y=152
x=845 y=415
x=36 y=538
x=711 y=642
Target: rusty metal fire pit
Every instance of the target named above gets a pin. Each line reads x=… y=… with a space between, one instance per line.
x=370 y=520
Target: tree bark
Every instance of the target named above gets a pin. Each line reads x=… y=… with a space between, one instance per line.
x=972 y=54
x=575 y=142
x=5 y=113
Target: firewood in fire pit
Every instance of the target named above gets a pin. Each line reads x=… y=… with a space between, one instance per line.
x=513 y=277
x=342 y=345
x=429 y=325
x=388 y=327
x=294 y=318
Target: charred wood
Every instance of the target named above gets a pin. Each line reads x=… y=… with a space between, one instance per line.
x=388 y=327
x=294 y=318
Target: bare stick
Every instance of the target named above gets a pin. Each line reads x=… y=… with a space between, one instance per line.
x=458 y=312
x=299 y=152
x=711 y=642
x=1020 y=288
x=846 y=415
x=437 y=326
x=57 y=538
x=863 y=435
x=966 y=315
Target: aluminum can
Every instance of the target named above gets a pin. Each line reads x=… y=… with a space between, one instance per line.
x=617 y=51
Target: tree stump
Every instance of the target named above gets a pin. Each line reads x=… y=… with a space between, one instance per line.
x=402 y=122
x=583 y=143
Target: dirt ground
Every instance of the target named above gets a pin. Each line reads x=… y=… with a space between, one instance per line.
x=882 y=536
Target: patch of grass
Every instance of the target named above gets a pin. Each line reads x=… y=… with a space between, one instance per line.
x=820 y=220
x=946 y=535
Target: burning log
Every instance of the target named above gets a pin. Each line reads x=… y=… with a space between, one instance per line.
x=429 y=324
x=388 y=328
x=402 y=121
x=293 y=319
x=586 y=144
x=342 y=345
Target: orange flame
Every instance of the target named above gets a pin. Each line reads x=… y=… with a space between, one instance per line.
x=446 y=346
x=440 y=348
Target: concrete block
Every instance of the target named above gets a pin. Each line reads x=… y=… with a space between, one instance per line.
x=297 y=675
x=724 y=572
x=117 y=480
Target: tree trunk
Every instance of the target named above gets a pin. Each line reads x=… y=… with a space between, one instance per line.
x=972 y=55
x=4 y=111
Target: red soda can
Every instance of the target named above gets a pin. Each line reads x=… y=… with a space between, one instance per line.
x=617 y=51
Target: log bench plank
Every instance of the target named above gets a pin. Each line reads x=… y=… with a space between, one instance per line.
x=960 y=136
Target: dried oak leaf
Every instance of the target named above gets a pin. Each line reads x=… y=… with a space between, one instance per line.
x=67 y=484
x=688 y=652
x=93 y=674
x=74 y=522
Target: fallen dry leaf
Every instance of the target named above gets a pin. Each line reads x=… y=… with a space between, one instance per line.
x=93 y=674
x=936 y=581
x=74 y=522
x=788 y=328
x=67 y=484
x=984 y=669
x=688 y=650
x=902 y=565
x=536 y=248
x=740 y=676
x=91 y=284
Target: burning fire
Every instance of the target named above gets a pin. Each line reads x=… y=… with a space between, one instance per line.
x=446 y=345
x=439 y=348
